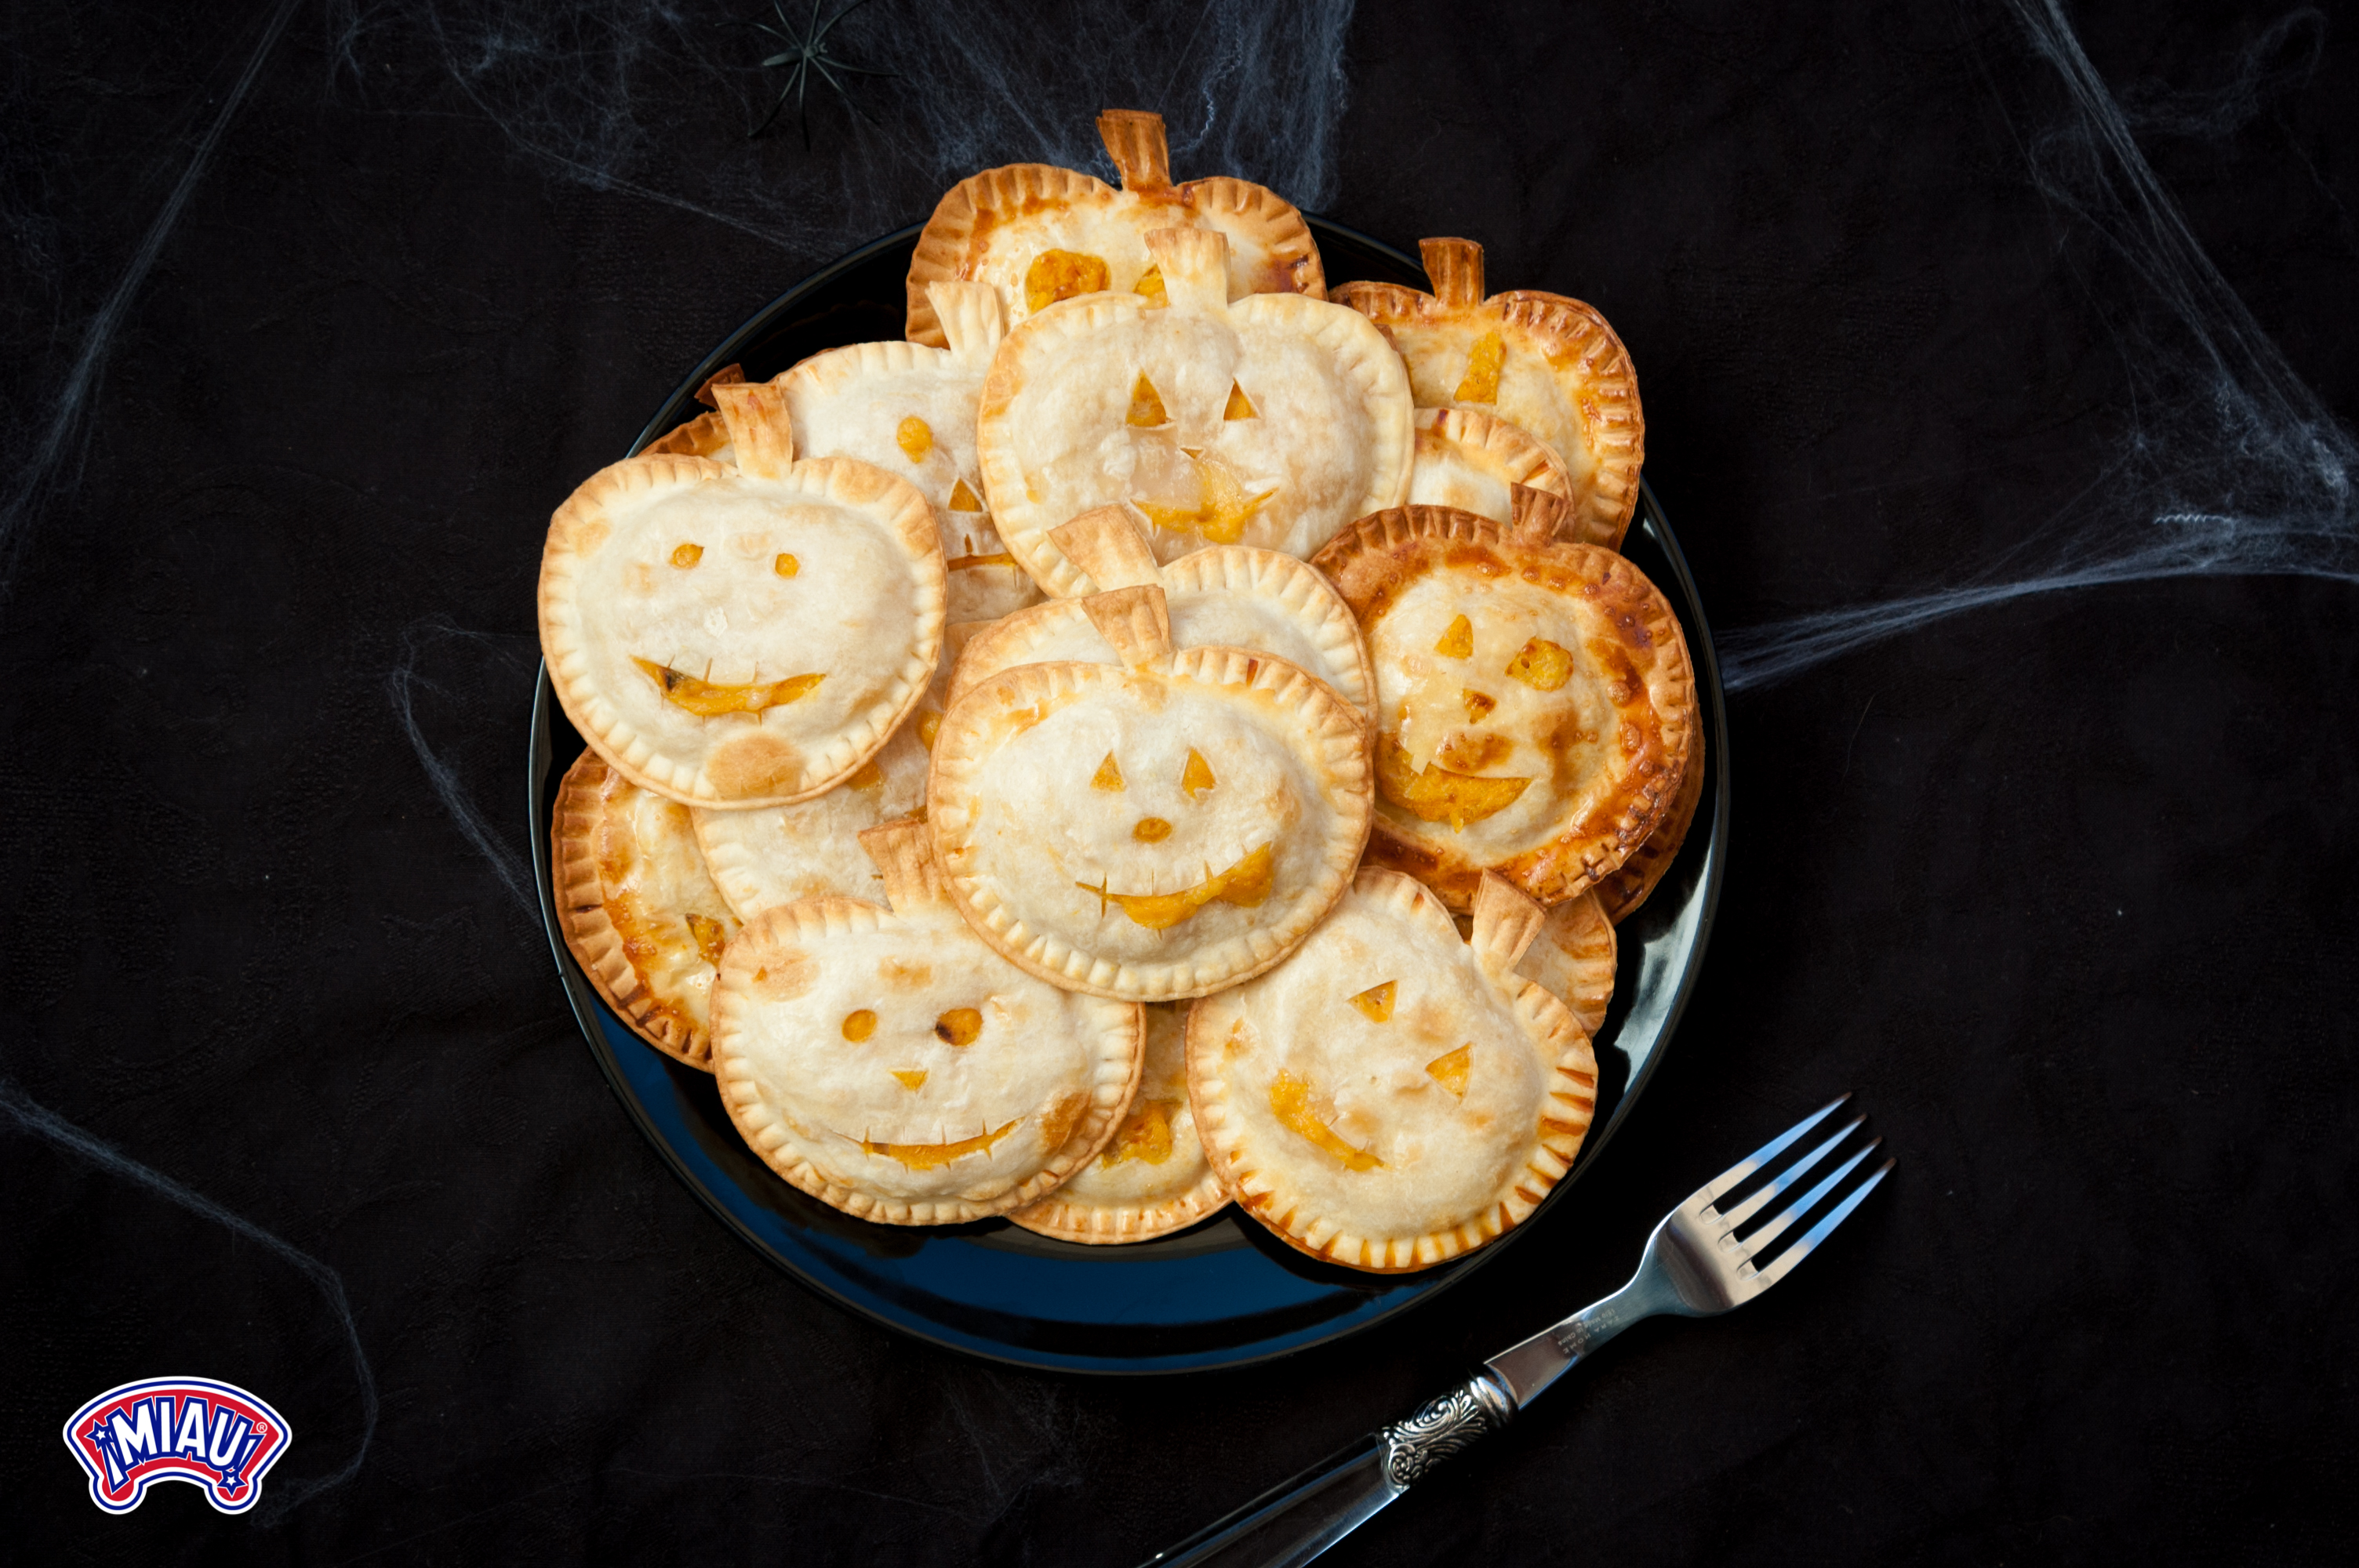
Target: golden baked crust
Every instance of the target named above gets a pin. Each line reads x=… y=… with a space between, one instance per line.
x=1269 y=421
x=1543 y=362
x=1622 y=889
x=1155 y=829
x=995 y=227
x=1229 y=596
x=638 y=912
x=776 y=854
x=741 y=636
x=1391 y=1097
x=1152 y=1177
x=890 y=1065
x=1478 y=463
x=1573 y=959
x=1536 y=698
x=910 y=410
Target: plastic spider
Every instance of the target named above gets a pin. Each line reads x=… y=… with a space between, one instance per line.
x=804 y=53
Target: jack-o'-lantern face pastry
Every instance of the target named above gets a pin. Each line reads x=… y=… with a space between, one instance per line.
x=776 y=854
x=1573 y=958
x=1546 y=363
x=1622 y=889
x=1268 y=421
x=642 y=917
x=910 y=410
x=1228 y=596
x=743 y=635
x=1152 y=1177
x=1535 y=701
x=1153 y=829
x=1391 y=1097
x=1479 y=463
x=887 y=1063
x=1038 y=234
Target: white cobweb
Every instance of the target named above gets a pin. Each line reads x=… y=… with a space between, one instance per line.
x=594 y=91
x=2227 y=463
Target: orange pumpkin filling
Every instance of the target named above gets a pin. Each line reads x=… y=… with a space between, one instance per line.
x=711 y=936
x=1482 y=383
x=1146 y=405
x=959 y=1026
x=1145 y=1134
x=1377 y=1001
x=1457 y=642
x=1245 y=884
x=707 y=700
x=915 y=438
x=933 y=1156
x=687 y=555
x=1434 y=793
x=1150 y=288
x=1060 y=275
x=1290 y=1100
x=963 y=499
x=1450 y=1070
x=1541 y=664
x=1220 y=509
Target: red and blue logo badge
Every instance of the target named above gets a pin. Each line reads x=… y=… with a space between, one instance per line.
x=213 y=1435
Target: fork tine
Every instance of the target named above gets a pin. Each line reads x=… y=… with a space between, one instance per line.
x=1729 y=1178
x=1803 y=1205
x=1818 y=1233
x=1787 y=1178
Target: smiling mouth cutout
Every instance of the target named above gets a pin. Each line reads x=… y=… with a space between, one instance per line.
x=934 y=1156
x=1245 y=884
x=706 y=700
x=1436 y=793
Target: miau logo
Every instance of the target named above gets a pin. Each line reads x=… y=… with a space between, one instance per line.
x=213 y=1435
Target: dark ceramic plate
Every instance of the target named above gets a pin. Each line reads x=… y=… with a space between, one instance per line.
x=1223 y=1292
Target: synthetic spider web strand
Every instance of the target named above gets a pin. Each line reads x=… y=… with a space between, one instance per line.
x=402 y=685
x=32 y=1117
x=2237 y=469
x=650 y=100
x=33 y=485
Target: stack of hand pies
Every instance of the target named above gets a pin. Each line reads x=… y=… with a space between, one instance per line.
x=1165 y=734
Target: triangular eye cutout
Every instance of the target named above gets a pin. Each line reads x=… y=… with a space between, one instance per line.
x=1377 y=1001
x=1240 y=405
x=1108 y=775
x=1150 y=288
x=912 y=1080
x=1197 y=777
x=1482 y=383
x=1450 y=1070
x=1146 y=405
x=963 y=499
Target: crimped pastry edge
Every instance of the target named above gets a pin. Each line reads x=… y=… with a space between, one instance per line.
x=1570 y=1095
x=1340 y=759
x=1617 y=437
x=910 y=523
x=589 y=931
x=1549 y=872
x=817 y=919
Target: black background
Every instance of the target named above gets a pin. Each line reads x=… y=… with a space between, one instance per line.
x=2061 y=887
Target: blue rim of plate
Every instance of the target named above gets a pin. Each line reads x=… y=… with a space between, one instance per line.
x=1225 y=1292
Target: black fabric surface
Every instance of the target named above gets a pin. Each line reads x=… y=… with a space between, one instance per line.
x=2060 y=885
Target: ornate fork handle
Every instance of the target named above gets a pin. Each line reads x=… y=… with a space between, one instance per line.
x=1445 y=1424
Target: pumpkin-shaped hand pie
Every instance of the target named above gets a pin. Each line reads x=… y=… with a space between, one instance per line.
x=1573 y=957
x=886 y=1062
x=1543 y=362
x=1269 y=421
x=1230 y=596
x=910 y=410
x=638 y=911
x=1390 y=1096
x=776 y=854
x=1622 y=889
x=1152 y=1178
x=743 y=635
x=1153 y=829
x=1535 y=697
x=1038 y=234
x=1480 y=463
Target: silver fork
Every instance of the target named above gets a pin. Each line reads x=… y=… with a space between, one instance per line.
x=1695 y=1266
